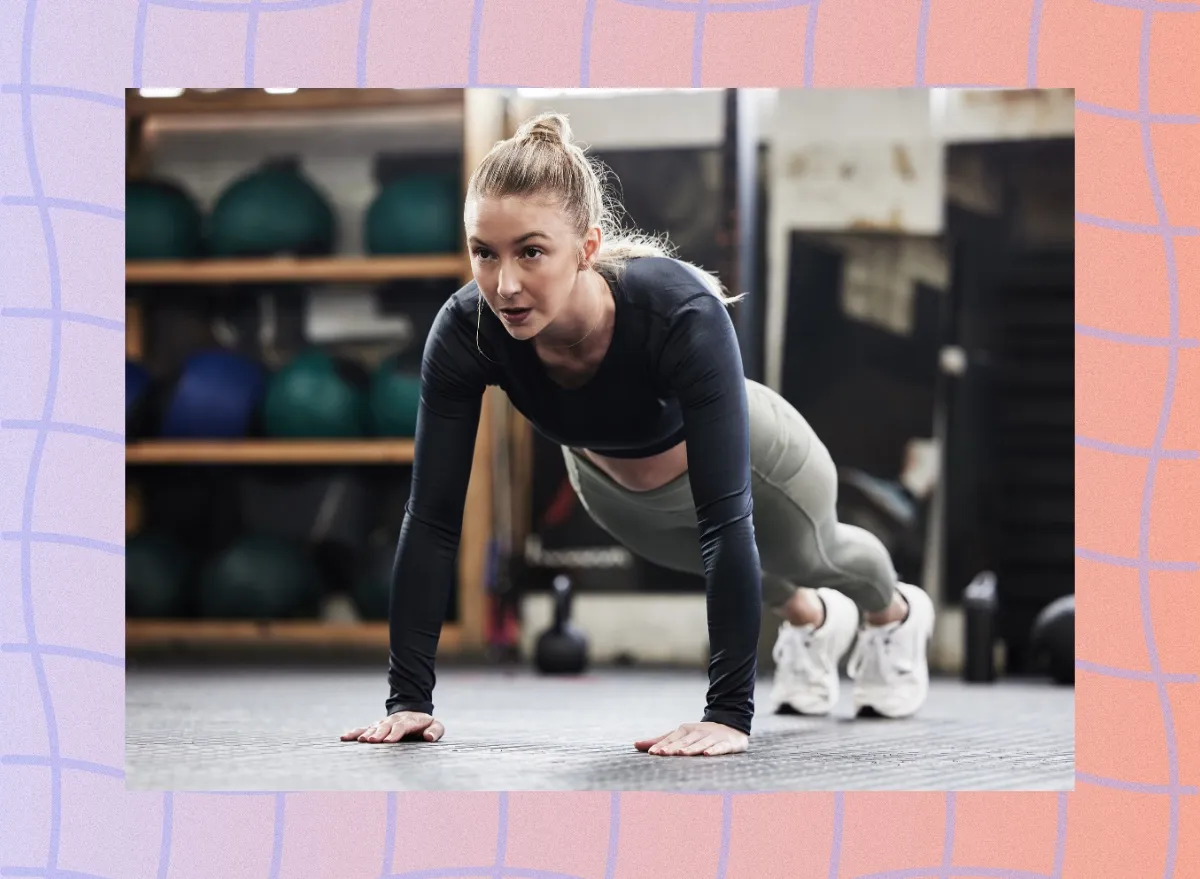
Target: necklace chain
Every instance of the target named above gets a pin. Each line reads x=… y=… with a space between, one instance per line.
x=599 y=321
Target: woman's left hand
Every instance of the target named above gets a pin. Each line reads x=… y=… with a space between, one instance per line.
x=706 y=739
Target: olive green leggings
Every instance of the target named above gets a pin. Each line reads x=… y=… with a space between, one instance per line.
x=794 y=486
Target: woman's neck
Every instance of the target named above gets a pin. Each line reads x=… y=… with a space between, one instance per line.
x=589 y=332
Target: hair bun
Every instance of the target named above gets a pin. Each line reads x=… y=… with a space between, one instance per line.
x=549 y=127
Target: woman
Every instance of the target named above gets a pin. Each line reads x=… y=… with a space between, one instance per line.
x=628 y=359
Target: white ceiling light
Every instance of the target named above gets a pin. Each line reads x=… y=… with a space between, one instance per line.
x=598 y=93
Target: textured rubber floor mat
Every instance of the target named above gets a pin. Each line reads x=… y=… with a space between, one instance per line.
x=257 y=730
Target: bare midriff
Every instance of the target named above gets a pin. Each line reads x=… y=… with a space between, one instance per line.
x=573 y=370
x=643 y=474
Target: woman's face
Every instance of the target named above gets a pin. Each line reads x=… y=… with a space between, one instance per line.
x=526 y=260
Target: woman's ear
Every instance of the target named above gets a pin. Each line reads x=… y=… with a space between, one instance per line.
x=591 y=247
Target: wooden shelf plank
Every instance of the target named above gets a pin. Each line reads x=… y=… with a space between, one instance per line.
x=373 y=451
x=282 y=633
x=299 y=270
x=258 y=101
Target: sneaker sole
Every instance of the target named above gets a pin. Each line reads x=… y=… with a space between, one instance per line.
x=787 y=709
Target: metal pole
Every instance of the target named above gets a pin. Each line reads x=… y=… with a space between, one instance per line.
x=740 y=224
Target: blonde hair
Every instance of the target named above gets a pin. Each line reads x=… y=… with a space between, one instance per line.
x=541 y=159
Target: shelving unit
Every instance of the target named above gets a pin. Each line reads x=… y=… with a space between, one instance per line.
x=484 y=121
x=299 y=271
x=216 y=633
x=259 y=101
x=271 y=452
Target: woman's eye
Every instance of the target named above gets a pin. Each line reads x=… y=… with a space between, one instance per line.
x=531 y=252
x=481 y=253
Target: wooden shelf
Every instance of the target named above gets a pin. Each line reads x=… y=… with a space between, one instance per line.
x=482 y=114
x=298 y=633
x=374 y=451
x=258 y=101
x=299 y=270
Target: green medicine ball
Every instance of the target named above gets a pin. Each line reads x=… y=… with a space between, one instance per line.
x=415 y=214
x=316 y=396
x=260 y=578
x=273 y=210
x=371 y=589
x=162 y=221
x=157 y=573
x=394 y=401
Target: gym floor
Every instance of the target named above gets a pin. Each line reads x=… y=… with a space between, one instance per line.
x=256 y=729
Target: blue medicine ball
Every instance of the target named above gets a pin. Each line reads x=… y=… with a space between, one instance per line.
x=137 y=381
x=216 y=396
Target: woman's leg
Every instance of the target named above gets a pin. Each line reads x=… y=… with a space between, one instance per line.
x=795 y=510
x=846 y=570
x=794 y=487
x=660 y=525
x=802 y=542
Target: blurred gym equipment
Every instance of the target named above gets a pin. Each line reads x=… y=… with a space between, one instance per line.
x=979 y=606
x=1052 y=640
x=415 y=214
x=562 y=649
x=395 y=399
x=317 y=395
x=273 y=210
x=162 y=221
x=158 y=577
x=260 y=578
x=216 y=395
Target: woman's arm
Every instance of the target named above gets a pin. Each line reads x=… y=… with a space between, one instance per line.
x=702 y=363
x=452 y=385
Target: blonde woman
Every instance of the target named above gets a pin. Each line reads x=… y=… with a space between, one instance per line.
x=627 y=358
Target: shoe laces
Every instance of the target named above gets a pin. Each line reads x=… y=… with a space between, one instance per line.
x=872 y=654
x=793 y=653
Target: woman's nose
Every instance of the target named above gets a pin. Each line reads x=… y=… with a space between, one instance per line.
x=507 y=285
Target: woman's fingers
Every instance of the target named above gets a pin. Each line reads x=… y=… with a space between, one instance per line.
x=647 y=744
x=669 y=741
x=681 y=742
x=397 y=727
x=732 y=743
x=399 y=730
x=664 y=743
x=372 y=734
x=699 y=746
x=707 y=738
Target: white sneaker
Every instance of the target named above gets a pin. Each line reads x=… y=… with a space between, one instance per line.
x=889 y=665
x=806 y=659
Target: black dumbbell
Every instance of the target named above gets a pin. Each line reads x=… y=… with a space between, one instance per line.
x=561 y=649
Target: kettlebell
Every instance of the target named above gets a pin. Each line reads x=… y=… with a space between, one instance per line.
x=561 y=649
x=1052 y=640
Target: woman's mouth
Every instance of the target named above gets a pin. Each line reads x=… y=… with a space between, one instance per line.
x=515 y=315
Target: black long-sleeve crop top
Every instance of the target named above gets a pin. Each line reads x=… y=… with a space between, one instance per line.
x=672 y=372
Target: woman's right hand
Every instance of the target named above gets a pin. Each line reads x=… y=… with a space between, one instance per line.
x=401 y=725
